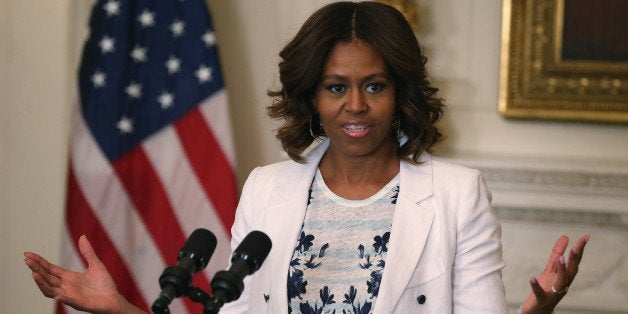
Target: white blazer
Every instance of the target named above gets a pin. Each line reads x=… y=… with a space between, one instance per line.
x=444 y=254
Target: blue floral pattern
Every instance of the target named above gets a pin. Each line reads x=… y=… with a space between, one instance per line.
x=340 y=251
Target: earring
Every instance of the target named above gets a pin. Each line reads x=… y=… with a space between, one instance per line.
x=312 y=131
x=312 y=134
x=396 y=127
x=316 y=133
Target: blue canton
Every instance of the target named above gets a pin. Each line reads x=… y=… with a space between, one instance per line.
x=145 y=65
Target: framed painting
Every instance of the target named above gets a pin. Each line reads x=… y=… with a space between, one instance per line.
x=407 y=8
x=564 y=60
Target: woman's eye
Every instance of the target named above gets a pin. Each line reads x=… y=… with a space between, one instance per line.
x=335 y=88
x=375 y=87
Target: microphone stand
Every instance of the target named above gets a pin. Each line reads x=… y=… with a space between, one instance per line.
x=195 y=294
x=212 y=303
x=227 y=286
x=198 y=295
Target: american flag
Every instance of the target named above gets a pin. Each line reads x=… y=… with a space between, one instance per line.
x=151 y=151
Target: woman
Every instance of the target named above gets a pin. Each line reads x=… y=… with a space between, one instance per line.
x=368 y=213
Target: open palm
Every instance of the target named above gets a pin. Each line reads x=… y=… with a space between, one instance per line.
x=92 y=290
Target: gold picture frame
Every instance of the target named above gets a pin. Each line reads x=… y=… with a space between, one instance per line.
x=407 y=8
x=540 y=80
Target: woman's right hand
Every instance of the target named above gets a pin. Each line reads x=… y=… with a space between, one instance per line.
x=92 y=290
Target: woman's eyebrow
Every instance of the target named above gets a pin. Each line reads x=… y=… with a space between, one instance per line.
x=368 y=77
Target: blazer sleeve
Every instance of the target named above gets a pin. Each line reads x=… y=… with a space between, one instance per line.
x=243 y=224
x=477 y=283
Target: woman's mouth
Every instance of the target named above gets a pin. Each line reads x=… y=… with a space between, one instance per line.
x=356 y=130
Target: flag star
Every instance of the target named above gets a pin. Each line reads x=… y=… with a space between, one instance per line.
x=209 y=38
x=138 y=54
x=125 y=125
x=99 y=79
x=165 y=99
x=147 y=18
x=173 y=64
x=177 y=28
x=203 y=74
x=112 y=7
x=107 y=44
x=134 y=90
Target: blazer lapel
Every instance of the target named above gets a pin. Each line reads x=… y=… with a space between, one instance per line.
x=283 y=222
x=410 y=229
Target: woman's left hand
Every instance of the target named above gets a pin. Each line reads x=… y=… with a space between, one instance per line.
x=552 y=285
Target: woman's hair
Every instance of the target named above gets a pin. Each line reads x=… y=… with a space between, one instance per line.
x=384 y=28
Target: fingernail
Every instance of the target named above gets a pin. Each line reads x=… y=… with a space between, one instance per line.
x=533 y=280
x=562 y=260
x=575 y=251
x=587 y=238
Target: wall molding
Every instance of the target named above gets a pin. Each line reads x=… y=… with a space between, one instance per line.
x=574 y=181
x=549 y=215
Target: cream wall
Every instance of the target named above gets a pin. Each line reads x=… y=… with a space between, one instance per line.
x=39 y=43
x=35 y=83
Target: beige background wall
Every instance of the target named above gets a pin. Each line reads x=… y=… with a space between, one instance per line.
x=548 y=178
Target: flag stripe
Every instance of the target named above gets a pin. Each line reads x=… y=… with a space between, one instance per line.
x=81 y=221
x=150 y=200
x=173 y=167
x=214 y=171
x=216 y=113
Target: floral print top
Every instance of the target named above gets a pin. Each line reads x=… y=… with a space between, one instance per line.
x=340 y=255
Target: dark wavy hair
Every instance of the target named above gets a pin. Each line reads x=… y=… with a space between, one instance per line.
x=303 y=59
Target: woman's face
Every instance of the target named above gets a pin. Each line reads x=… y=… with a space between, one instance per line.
x=356 y=101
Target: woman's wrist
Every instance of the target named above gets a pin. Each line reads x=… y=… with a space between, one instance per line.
x=128 y=308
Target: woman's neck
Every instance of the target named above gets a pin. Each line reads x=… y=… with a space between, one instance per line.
x=358 y=177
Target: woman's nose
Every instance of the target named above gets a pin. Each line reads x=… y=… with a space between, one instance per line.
x=356 y=102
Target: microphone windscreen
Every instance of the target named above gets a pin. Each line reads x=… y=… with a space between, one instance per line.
x=256 y=245
x=199 y=246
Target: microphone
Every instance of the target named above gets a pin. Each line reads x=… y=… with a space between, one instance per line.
x=227 y=285
x=175 y=281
